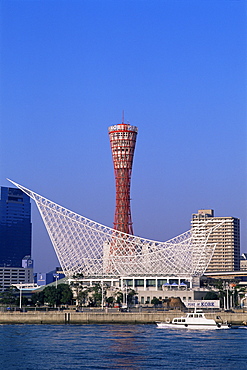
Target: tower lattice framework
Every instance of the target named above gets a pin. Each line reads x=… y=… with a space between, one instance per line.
x=123 y=140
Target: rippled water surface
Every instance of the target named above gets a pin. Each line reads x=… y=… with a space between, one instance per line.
x=57 y=347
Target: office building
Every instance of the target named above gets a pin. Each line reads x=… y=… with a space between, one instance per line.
x=226 y=237
x=11 y=276
x=44 y=278
x=15 y=227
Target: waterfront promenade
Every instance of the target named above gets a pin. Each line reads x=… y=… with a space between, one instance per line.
x=72 y=317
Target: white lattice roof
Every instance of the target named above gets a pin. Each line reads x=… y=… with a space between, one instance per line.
x=87 y=247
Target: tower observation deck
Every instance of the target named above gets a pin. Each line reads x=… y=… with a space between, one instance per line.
x=122 y=141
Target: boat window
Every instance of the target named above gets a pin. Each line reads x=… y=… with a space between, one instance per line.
x=183 y=320
x=191 y=315
x=195 y=315
x=175 y=320
x=200 y=315
x=179 y=320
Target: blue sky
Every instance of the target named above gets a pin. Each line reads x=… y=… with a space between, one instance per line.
x=177 y=69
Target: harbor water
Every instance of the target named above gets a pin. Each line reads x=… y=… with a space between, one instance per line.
x=62 y=347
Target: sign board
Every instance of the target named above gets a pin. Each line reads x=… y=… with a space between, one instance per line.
x=202 y=304
x=27 y=263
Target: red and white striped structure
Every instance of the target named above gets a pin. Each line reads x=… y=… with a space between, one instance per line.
x=123 y=140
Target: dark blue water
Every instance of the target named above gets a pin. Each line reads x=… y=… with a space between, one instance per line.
x=58 y=347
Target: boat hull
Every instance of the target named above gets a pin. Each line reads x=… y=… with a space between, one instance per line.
x=163 y=325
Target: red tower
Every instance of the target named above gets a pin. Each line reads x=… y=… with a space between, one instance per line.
x=123 y=140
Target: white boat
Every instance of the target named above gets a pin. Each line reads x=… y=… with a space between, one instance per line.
x=193 y=320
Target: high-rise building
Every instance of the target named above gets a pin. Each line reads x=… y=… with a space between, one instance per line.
x=15 y=227
x=122 y=140
x=226 y=236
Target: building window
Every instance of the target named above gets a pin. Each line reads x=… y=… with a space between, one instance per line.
x=172 y=281
x=151 y=282
x=139 y=282
x=161 y=282
x=128 y=282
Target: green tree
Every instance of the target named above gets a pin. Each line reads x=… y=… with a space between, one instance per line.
x=96 y=298
x=82 y=297
x=119 y=297
x=64 y=294
x=10 y=296
x=80 y=292
x=211 y=296
x=130 y=296
x=50 y=295
x=24 y=301
x=110 y=301
x=155 y=301
x=218 y=283
x=57 y=296
x=38 y=298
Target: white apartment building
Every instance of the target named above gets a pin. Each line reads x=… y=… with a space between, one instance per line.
x=226 y=256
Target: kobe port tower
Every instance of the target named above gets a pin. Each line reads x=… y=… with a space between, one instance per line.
x=95 y=251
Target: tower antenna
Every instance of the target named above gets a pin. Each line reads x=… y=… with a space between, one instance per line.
x=123 y=116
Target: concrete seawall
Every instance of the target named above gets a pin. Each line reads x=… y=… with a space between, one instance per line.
x=71 y=317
